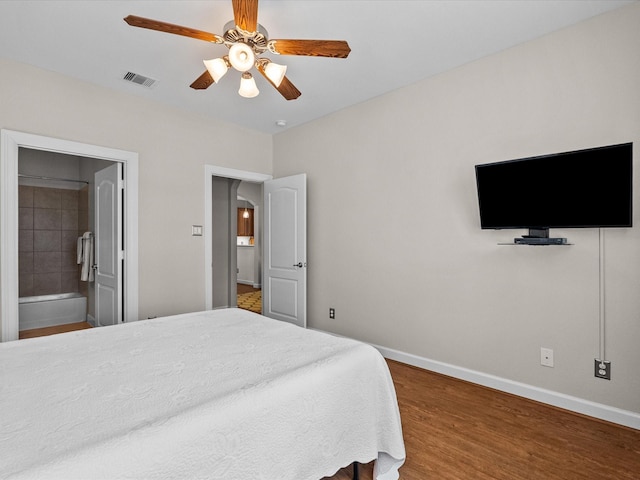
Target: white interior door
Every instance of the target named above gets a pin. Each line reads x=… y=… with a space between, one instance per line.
x=108 y=245
x=284 y=289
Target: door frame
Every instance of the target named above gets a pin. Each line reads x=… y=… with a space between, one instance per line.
x=10 y=142
x=209 y=172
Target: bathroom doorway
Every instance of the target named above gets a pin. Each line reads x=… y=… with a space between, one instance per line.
x=13 y=144
x=56 y=239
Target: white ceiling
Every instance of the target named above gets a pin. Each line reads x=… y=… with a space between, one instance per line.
x=393 y=43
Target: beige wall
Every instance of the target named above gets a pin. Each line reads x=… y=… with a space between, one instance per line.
x=395 y=244
x=173 y=147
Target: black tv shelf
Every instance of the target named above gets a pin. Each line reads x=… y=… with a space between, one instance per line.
x=538 y=244
x=538 y=236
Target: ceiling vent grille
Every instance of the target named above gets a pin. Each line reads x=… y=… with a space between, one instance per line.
x=139 y=79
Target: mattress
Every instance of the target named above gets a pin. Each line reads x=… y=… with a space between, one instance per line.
x=224 y=394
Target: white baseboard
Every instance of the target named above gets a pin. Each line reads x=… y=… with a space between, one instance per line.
x=567 y=402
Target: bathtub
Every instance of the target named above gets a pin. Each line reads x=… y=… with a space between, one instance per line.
x=48 y=310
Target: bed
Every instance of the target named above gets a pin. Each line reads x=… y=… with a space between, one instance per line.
x=224 y=394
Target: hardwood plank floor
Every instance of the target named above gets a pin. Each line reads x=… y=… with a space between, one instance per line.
x=42 y=332
x=459 y=431
x=243 y=288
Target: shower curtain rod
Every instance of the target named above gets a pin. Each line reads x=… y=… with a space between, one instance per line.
x=52 y=178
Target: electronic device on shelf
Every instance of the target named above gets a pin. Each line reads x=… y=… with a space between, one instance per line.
x=527 y=240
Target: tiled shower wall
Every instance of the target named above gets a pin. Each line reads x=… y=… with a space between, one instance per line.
x=50 y=221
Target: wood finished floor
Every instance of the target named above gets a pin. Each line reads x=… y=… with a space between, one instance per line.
x=42 y=332
x=455 y=430
x=243 y=288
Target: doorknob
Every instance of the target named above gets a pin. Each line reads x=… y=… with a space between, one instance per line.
x=299 y=265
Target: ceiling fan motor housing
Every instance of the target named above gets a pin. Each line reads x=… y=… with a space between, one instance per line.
x=256 y=40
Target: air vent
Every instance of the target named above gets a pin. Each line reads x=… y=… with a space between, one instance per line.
x=139 y=79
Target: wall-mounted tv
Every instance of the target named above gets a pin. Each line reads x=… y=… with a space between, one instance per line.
x=583 y=188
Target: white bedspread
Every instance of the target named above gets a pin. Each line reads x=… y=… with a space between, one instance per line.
x=225 y=394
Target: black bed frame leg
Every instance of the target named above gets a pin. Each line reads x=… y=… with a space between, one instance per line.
x=356 y=472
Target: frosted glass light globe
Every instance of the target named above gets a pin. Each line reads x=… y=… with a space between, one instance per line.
x=241 y=56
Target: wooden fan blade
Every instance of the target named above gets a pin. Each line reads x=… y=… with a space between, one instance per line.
x=314 y=48
x=287 y=89
x=141 y=22
x=203 y=82
x=245 y=14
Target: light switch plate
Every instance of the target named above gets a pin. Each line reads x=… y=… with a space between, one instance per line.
x=196 y=230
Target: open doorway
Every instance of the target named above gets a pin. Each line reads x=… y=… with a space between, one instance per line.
x=56 y=239
x=223 y=187
x=236 y=243
x=12 y=142
x=249 y=246
x=284 y=262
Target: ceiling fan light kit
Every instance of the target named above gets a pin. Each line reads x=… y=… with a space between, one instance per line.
x=275 y=72
x=247 y=40
x=217 y=67
x=248 y=87
x=241 y=57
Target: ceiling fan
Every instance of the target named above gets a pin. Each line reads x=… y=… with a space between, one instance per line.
x=247 y=40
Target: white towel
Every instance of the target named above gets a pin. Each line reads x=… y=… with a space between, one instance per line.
x=87 y=258
x=79 y=251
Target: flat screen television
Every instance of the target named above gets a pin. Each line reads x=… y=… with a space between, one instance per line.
x=583 y=188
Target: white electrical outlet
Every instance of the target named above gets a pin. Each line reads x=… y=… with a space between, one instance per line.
x=546 y=357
